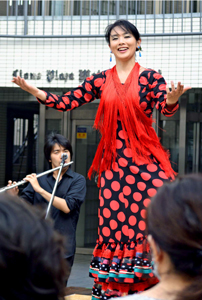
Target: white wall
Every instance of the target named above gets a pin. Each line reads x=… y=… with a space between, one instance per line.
x=179 y=58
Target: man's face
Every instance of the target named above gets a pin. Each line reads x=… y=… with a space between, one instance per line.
x=56 y=153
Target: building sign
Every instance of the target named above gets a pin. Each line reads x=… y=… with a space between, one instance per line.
x=81 y=133
x=27 y=76
x=52 y=75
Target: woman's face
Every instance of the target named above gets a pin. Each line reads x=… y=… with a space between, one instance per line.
x=123 y=44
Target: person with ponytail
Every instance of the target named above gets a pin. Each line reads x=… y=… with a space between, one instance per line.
x=174 y=226
x=130 y=161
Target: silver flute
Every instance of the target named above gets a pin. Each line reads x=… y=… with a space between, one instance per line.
x=38 y=175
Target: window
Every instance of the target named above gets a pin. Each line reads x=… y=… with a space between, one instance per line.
x=3 y=8
x=96 y=7
x=35 y=8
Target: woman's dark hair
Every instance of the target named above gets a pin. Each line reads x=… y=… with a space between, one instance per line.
x=55 y=138
x=174 y=219
x=125 y=25
x=32 y=264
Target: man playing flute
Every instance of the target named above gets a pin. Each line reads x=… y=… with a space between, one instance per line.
x=69 y=196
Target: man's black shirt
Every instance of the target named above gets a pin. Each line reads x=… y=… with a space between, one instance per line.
x=72 y=188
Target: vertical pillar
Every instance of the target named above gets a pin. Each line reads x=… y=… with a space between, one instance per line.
x=41 y=137
x=182 y=134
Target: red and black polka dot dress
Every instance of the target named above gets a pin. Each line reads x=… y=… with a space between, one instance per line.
x=121 y=262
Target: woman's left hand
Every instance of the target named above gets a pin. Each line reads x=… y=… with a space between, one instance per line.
x=175 y=93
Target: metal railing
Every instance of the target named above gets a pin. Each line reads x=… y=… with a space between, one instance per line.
x=34 y=14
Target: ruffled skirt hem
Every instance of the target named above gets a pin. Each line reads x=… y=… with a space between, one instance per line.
x=121 y=268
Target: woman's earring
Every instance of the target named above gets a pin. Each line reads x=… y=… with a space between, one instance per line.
x=110 y=59
x=140 y=49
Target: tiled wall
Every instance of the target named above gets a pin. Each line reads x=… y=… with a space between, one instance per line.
x=179 y=59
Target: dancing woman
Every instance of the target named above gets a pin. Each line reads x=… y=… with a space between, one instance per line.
x=130 y=161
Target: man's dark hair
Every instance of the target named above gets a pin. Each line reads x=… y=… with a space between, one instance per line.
x=32 y=264
x=125 y=25
x=55 y=138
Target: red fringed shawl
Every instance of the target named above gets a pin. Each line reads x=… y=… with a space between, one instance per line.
x=122 y=101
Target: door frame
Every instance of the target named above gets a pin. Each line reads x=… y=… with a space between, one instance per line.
x=73 y=135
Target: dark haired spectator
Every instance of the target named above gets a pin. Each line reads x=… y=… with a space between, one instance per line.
x=31 y=253
x=174 y=225
x=69 y=196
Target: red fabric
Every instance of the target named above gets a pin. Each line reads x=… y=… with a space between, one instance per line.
x=123 y=100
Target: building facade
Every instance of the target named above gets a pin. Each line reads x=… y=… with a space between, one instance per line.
x=55 y=45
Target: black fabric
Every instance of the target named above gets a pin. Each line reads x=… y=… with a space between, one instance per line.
x=72 y=188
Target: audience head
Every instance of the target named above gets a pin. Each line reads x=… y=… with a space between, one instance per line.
x=174 y=224
x=32 y=262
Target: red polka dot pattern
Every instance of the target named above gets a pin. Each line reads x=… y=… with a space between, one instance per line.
x=137 y=196
x=125 y=194
x=107 y=193
x=115 y=186
x=130 y=179
x=131 y=233
x=127 y=152
x=162 y=175
x=106 y=231
x=141 y=186
x=143 y=213
x=106 y=213
x=132 y=220
x=118 y=235
x=145 y=176
x=151 y=192
x=119 y=144
x=134 y=169
x=142 y=225
x=125 y=229
x=108 y=174
x=157 y=182
x=121 y=216
x=152 y=168
x=122 y=162
x=114 y=205
x=101 y=201
x=134 y=207
x=121 y=173
x=115 y=167
x=113 y=224
x=101 y=221
x=139 y=235
x=127 y=190
x=146 y=202
x=102 y=182
x=121 y=134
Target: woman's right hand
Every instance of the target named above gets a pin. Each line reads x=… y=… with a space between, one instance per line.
x=29 y=88
x=14 y=191
x=22 y=83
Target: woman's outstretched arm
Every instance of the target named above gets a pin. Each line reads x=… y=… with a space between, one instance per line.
x=87 y=92
x=29 y=88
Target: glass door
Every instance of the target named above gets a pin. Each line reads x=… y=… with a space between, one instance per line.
x=194 y=147
x=85 y=141
x=193 y=161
